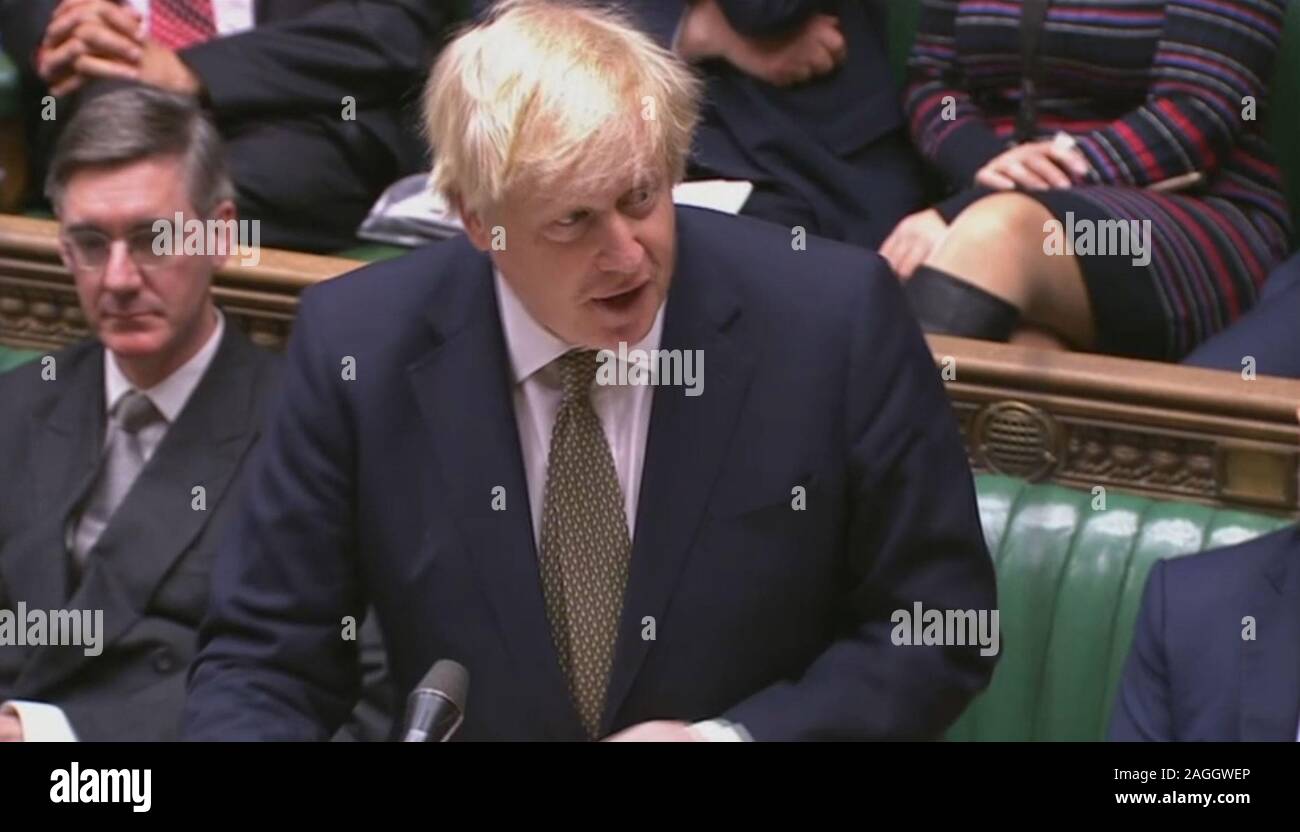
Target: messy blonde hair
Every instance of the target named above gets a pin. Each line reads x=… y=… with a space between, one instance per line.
x=553 y=95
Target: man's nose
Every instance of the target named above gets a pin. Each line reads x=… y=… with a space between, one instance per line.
x=622 y=251
x=120 y=272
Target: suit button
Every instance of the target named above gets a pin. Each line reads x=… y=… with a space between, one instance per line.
x=163 y=661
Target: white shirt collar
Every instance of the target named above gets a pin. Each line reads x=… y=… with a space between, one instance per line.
x=532 y=346
x=170 y=394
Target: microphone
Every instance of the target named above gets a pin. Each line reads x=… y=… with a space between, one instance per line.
x=435 y=708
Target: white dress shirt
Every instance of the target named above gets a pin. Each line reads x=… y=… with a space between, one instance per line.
x=41 y=721
x=231 y=16
x=624 y=413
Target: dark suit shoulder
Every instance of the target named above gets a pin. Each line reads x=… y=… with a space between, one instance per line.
x=377 y=296
x=1203 y=596
x=28 y=389
x=1214 y=577
x=754 y=242
x=822 y=281
x=257 y=368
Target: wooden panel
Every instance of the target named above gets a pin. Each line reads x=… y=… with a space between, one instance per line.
x=1158 y=429
x=1082 y=420
x=38 y=303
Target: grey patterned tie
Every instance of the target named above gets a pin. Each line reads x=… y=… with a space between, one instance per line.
x=585 y=544
x=121 y=464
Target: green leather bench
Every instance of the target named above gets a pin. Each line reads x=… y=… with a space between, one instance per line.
x=10 y=357
x=10 y=94
x=1070 y=582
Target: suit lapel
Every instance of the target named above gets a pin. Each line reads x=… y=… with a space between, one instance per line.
x=158 y=520
x=1270 y=677
x=684 y=451
x=462 y=386
x=64 y=456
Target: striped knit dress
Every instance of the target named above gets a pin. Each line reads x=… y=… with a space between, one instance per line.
x=1150 y=91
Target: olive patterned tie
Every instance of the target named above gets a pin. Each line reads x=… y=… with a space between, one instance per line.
x=586 y=548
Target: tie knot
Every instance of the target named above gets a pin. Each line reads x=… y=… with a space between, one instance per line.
x=135 y=411
x=578 y=371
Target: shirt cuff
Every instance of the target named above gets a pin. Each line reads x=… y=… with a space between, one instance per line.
x=41 y=722
x=720 y=730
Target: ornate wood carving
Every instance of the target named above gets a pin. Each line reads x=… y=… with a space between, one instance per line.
x=1155 y=429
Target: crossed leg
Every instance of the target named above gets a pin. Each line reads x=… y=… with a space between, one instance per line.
x=997 y=245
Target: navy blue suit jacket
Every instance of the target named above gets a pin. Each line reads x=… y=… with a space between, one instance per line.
x=836 y=144
x=380 y=490
x=1191 y=675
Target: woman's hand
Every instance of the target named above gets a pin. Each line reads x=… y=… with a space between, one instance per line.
x=912 y=241
x=1034 y=166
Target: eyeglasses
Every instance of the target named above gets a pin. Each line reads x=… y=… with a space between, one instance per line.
x=91 y=250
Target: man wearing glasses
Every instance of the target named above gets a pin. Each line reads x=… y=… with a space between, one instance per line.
x=120 y=456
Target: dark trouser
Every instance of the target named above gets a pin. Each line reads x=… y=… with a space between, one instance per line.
x=309 y=190
x=856 y=199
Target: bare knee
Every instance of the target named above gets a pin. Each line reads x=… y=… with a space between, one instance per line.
x=1007 y=217
x=995 y=243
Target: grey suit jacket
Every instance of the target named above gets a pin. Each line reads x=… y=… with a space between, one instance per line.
x=149 y=572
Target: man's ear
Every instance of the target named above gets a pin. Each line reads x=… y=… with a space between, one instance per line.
x=476 y=227
x=226 y=212
x=66 y=256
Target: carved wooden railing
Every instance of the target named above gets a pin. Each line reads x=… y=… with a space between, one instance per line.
x=1084 y=420
x=1157 y=429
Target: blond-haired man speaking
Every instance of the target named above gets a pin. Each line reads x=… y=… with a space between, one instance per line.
x=646 y=472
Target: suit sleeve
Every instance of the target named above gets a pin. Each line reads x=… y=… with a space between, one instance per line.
x=377 y=51
x=273 y=662
x=1142 y=709
x=147 y=714
x=947 y=125
x=1211 y=58
x=372 y=718
x=22 y=25
x=751 y=18
x=913 y=536
x=768 y=18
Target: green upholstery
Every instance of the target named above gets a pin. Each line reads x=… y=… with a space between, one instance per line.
x=10 y=91
x=10 y=357
x=373 y=252
x=1285 y=102
x=1284 y=117
x=1070 y=582
x=904 y=16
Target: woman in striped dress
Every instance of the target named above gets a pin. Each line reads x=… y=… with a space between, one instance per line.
x=1130 y=206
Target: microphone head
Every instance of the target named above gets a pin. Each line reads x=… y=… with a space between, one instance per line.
x=448 y=679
